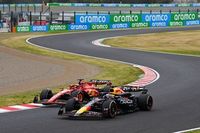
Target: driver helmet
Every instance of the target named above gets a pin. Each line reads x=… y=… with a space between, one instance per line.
x=116 y=91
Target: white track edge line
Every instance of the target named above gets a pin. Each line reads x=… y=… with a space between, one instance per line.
x=188 y=130
x=20 y=107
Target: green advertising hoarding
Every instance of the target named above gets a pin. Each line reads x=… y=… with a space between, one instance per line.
x=176 y=23
x=58 y=27
x=53 y=4
x=153 y=5
x=140 y=25
x=124 y=5
x=184 y=5
x=94 y=5
x=23 y=28
x=65 y=4
x=12 y=5
x=99 y=26
x=184 y=16
x=125 y=18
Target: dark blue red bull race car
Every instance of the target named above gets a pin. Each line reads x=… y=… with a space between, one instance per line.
x=108 y=104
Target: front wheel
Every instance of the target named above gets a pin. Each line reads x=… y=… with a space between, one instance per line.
x=109 y=109
x=79 y=95
x=46 y=94
x=72 y=104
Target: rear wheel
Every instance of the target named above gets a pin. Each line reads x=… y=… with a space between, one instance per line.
x=145 y=102
x=46 y=94
x=71 y=104
x=109 y=109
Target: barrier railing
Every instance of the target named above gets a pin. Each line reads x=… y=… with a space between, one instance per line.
x=122 y=5
x=48 y=6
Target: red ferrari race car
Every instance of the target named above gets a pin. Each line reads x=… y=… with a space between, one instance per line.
x=82 y=91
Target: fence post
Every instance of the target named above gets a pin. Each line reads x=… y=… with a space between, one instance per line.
x=0 y=15
x=30 y=18
x=188 y=10
x=74 y=17
x=51 y=15
x=108 y=12
x=120 y=12
x=197 y=10
x=160 y=11
x=140 y=11
x=150 y=11
x=170 y=11
x=11 y=22
x=179 y=10
x=40 y=18
x=130 y=12
x=63 y=17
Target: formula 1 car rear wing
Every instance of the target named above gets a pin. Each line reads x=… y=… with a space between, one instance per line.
x=100 y=82
x=134 y=89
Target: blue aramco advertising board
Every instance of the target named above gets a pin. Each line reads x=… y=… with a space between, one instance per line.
x=157 y=20
x=192 y=22
x=41 y=28
x=79 y=27
x=120 y=26
x=92 y=19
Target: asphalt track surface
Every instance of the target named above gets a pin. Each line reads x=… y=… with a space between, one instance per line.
x=176 y=93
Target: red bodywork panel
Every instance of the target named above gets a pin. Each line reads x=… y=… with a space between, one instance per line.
x=57 y=96
x=89 y=87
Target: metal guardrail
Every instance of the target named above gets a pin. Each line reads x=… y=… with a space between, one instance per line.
x=122 y=5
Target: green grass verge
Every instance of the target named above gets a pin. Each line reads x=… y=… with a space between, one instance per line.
x=180 y=42
x=197 y=131
x=119 y=73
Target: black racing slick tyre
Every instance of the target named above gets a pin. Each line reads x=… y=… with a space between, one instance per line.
x=145 y=102
x=46 y=94
x=71 y=104
x=79 y=94
x=109 y=109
